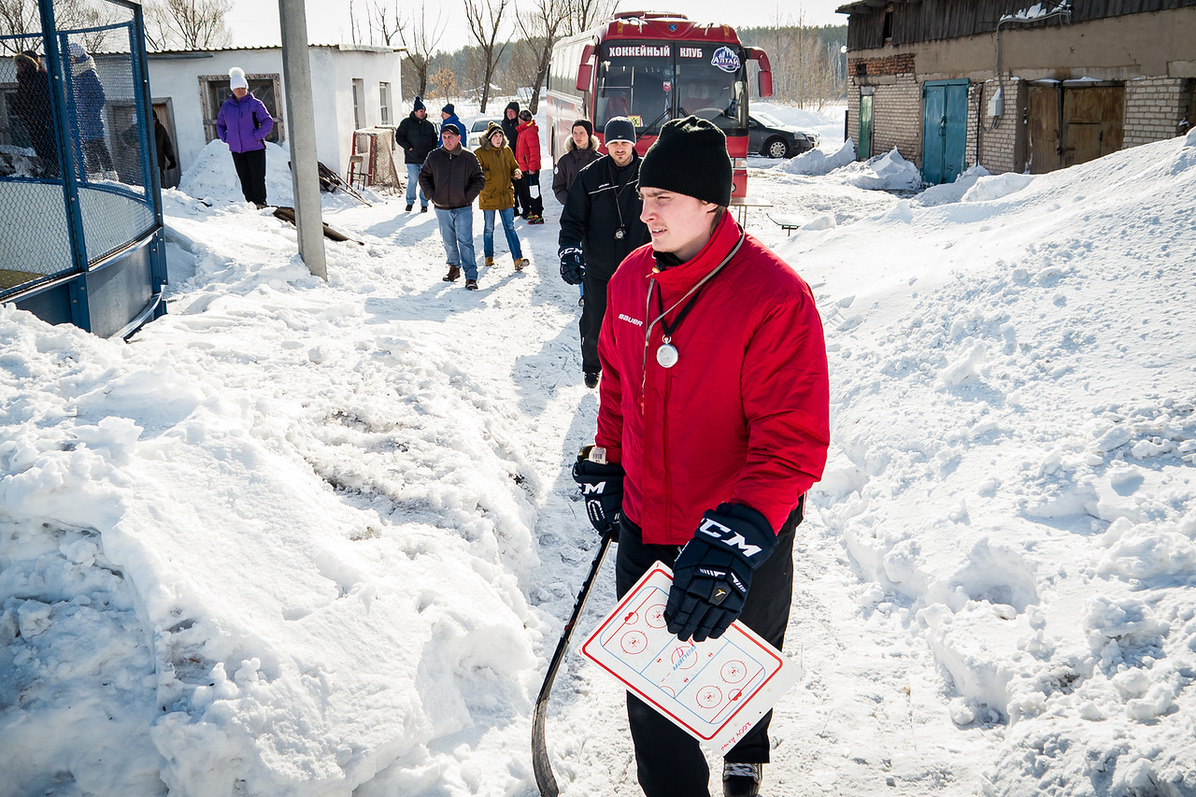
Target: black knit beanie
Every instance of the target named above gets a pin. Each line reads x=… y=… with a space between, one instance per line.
x=448 y=109
x=690 y=157
x=584 y=123
x=419 y=105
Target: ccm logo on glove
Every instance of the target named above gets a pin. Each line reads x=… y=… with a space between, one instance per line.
x=713 y=573
x=601 y=485
x=728 y=536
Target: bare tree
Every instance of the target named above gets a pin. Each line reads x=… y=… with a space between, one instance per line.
x=539 y=26
x=18 y=17
x=484 y=18
x=383 y=18
x=22 y=18
x=421 y=41
x=581 y=15
x=186 y=24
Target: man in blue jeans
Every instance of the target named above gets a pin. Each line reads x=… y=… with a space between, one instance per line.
x=416 y=136
x=452 y=178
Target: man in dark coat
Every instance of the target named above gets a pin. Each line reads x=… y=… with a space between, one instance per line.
x=31 y=102
x=510 y=129
x=165 y=149
x=416 y=136
x=580 y=152
x=600 y=225
x=452 y=177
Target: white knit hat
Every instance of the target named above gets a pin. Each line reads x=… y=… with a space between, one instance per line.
x=236 y=78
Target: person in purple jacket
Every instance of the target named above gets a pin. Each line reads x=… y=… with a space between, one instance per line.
x=243 y=123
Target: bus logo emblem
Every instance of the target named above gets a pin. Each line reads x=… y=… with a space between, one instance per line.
x=725 y=59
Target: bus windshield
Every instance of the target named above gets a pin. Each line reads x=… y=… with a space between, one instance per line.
x=652 y=82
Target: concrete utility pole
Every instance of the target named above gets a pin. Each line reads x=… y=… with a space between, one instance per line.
x=301 y=129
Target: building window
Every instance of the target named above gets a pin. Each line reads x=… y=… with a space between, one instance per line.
x=887 y=36
x=12 y=132
x=266 y=87
x=358 y=103
x=384 y=102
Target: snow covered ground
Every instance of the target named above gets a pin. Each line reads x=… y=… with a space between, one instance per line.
x=308 y=538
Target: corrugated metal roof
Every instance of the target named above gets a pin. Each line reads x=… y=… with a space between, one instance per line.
x=208 y=51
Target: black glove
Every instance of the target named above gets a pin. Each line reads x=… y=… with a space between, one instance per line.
x=602 y=489
x=573 y=265
x=713 y=572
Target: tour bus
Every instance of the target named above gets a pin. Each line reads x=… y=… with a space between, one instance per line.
x=653 y=67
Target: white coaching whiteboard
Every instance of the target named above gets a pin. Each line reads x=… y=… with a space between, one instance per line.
x=715 y=690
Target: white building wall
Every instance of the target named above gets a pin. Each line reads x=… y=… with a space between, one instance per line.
x=176 y=76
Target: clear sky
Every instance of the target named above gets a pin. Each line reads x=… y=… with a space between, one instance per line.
x=255 y=22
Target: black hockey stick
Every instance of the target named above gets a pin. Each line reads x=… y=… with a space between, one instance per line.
x=540 y=763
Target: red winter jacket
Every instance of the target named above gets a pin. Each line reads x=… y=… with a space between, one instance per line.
x=744 y=414
x=527 y=147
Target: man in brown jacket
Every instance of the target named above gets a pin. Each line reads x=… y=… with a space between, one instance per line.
x=452 y=178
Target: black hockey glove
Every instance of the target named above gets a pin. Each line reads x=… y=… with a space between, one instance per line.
x=602 y=489
x=713 y=572
x=573 y=265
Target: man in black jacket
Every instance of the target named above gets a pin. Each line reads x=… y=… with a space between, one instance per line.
x=417 y=138
x=452 y=177
x=510 y=128
x=600 y=225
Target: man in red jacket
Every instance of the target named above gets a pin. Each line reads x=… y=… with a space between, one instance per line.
x=713 y=424
x=527 y=156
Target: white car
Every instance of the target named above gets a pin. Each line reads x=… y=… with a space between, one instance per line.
x=478 y=130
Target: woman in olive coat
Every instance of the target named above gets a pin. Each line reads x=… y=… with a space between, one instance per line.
x=499 y=167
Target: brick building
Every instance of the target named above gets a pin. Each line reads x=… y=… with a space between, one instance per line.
x=1015 y=85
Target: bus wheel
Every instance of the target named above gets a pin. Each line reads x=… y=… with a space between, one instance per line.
x=776 y=148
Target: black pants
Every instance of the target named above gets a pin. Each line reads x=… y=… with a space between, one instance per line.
x=527 y=185
x=591 y=322
x=95 y=156
x=670 y=762
x=251 y=170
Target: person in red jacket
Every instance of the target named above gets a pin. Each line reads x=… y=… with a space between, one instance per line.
x=713 y=423
x=527 y=155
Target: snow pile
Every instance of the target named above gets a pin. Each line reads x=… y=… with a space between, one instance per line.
x=213 y=177
x=1014 y=434
x=887 y=172
x=954 y=191
x=816 y=161
x=300 y=636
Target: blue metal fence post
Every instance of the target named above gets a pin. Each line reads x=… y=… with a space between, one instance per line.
x=149 y=155
x=80 y=314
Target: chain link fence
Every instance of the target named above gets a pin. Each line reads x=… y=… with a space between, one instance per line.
x=77 y=166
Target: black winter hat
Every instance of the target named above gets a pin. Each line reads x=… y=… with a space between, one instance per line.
x=448 y=109
x=525 y=115
x=619 y=128
x=419 y=105
x=690 y=157
x=585 y=123
x=513 y=106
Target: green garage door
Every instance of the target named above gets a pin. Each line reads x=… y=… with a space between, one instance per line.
x=944 y=129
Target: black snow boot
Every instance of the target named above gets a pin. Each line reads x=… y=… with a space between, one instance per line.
x=742 y=780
